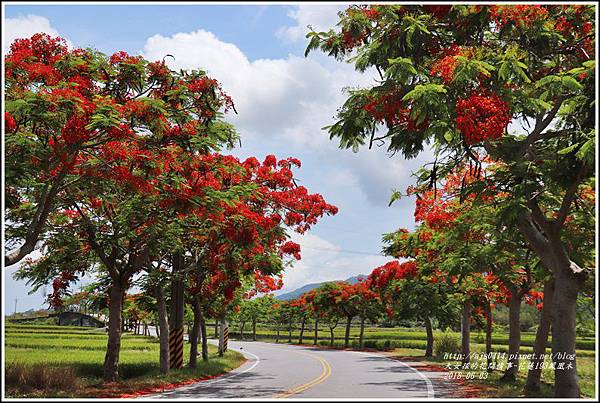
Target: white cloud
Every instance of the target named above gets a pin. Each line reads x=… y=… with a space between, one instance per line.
x=325 y=261
x=319 y=17
x=273 y=96
x=24 y=27
x=288 y=100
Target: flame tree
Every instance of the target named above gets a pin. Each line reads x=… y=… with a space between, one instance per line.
x=455 y=77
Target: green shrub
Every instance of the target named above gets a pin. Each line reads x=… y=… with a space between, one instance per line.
x=370 y=343
x=446 y=343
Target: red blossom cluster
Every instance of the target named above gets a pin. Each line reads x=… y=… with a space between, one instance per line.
x=9 y=122
x=521 y=16
x=438 y=11
x=481 y=117
x=59 y=288
x=434 y=210
x=33 y=59
x=253 y=226
x=445 y=65
x=390 y=108
x=381 y=276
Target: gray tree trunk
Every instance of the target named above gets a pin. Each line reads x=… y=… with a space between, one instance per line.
x=204 y=335
x=301 y=338
x=347 y=333
x=568 y=277
x=316 y=330
x=362 y=332
x=429 y=330
x=563 y=335
x=113 y=349
x=541 y=339
x=488 y=336
x=514 y=335
x=254 y=329
x=194 y=334
x=465 y=332
x=163 y=329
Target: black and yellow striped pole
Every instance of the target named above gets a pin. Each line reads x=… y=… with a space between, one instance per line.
x=223 y=337
x=177 y=312
x=176 y=348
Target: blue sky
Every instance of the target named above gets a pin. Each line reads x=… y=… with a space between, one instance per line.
x=283 y=100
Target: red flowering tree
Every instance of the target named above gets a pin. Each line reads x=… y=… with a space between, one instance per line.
x=248 y=239
x=367 y=305
x=460 y=239
x=303 y=312
x=408 y=292
x=129 y=148
x=70 y=113
x=255 y=310
x=328 y=304
x=465 y=72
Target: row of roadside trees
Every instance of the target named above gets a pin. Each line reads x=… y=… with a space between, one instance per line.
x=117 y=173
x=503 y=98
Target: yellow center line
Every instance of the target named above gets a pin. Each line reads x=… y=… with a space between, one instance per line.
x=325 y=373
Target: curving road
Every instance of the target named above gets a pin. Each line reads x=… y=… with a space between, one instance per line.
x=282 y=371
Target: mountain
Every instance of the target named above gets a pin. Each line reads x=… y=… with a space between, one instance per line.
x=305 y=288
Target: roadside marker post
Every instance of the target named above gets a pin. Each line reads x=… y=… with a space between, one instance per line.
x=177 y=312
x=176 y=348
x=223 y=337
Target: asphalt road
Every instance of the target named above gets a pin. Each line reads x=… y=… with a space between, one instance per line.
x=288 y=371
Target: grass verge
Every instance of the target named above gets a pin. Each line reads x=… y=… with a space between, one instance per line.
x=68 y=363
x=495 y=387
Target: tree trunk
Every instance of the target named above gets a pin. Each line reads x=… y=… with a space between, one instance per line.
x=331 y=333
x=514 y=335
x=549 y=248
x=347 y=333
x=429 y=330
x=488 y=336
x=277 y=338
x=301 y=339
x=216 y=328
x=362 y=332
x=242 y=325
x=254 y=329
x=204 y=335
x=290 y=332
x=465 y=331
x=115 y=307
x=541 y=339
x=316 y=330
x=194 y=333
x=563 y=335
x=163 y=329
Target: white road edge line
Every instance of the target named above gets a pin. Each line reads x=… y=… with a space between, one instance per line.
x=210 y=382
x=430 y=391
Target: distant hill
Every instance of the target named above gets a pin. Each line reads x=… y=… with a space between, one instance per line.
x=299 y=291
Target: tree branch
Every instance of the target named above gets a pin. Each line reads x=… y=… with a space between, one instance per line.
x=568 y=198
x=540 y=125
